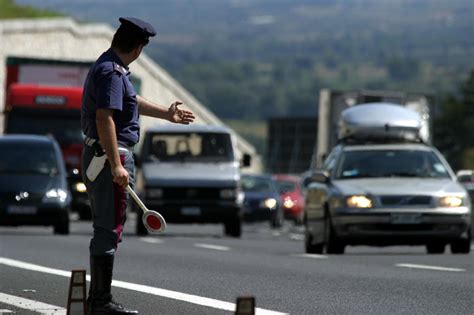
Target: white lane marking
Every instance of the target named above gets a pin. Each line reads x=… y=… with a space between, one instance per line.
x=210 y=246
x=4 y=311
x=31 y=305
x=311 y=256
x=430 y=267
x=298 y=237
x=151 y=240
x=195 y=299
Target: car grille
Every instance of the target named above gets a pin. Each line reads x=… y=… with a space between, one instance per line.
x=191 y=193
x=405 y=201
x=252 y=204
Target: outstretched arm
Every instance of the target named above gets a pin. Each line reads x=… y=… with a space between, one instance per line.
x=173 y=113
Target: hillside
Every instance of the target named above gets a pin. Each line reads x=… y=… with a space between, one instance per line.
x=249 y=60
x=254 y=59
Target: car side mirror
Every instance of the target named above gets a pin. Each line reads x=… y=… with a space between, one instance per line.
x=246 y=160
x=320 y=176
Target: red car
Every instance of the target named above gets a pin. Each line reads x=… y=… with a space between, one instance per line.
x=292 y=196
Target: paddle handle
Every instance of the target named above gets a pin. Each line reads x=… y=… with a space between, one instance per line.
x=137 y=200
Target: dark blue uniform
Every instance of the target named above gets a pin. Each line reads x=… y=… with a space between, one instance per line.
x=108 y=86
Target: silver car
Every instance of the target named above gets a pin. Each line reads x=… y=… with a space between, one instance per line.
x=386 y=194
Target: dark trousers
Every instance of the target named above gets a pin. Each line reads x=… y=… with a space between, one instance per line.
x=108 y=202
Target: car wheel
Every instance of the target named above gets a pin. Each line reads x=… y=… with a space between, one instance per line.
x=461 y=246
x=435 y=248
x=299 y=220
x=62 y=228
x=311 y=248
x=333 y=245
x=277 y=220
x=233 y=227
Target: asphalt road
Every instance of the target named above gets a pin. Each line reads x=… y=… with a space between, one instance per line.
x=194 y=269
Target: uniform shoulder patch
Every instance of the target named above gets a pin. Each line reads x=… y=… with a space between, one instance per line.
x=120 y=69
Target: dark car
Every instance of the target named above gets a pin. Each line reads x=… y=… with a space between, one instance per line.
x=33 y=183
x=261 y=199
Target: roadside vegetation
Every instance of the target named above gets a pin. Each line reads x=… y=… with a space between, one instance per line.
x=10 y=10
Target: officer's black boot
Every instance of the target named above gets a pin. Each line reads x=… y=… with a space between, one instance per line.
x=100 y=298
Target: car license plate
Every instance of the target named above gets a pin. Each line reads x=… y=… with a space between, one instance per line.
x=406 y=218
x=191 y=211
x=14 y=209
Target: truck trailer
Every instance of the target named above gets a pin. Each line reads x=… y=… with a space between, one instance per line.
x=332 y=103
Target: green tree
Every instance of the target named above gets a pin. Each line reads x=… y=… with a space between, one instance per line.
x=10 y=10
x=454 y=128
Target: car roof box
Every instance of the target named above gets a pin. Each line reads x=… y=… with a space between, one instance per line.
x=380 y=122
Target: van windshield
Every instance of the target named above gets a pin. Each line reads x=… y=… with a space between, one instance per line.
x=390 y=163
x=190 y=147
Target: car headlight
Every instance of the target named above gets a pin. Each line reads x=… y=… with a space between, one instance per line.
x=228 y=193
x=359 y=202
x=450 y=201
x=154 y=193
x=288 y=203
x=55 y=195
x=80 y=187
x=269 y=203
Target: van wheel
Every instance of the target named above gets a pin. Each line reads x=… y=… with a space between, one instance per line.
x=435 y=248
x=233 y=227
x=85 y=213
x=461 y=246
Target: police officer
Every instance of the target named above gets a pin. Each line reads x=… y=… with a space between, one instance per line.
x=109 y=118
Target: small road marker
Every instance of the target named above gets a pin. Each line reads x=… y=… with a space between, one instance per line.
x=76 y=301
x=245 y=305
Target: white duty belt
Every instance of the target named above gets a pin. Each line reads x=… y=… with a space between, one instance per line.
x=91 y=141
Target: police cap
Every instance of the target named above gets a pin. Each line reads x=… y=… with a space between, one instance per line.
x=138 y=25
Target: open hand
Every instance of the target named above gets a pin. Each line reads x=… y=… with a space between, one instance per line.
x=180 y=116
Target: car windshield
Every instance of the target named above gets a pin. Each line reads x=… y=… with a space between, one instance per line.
x=190 y=147
x=27 y=159
x=257 y=184
x=285 y=186
x=65 y=129
x=390 y=163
